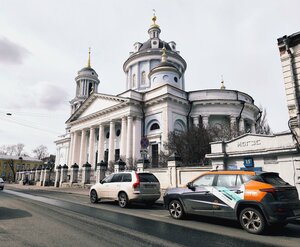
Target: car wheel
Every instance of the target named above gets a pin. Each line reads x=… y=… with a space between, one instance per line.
x=176 y=209
x=94 y=197
x=252 y=220
x=123 y=200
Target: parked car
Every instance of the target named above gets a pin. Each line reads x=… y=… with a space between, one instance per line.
x=1 y=184
x=256 y=200
x=126 y=187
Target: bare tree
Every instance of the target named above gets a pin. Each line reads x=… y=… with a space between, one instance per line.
x=223 y=132
x=191 y=145
x=40 y=152
x=262 y=126
x=19 y=149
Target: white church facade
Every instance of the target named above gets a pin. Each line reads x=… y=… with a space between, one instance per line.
x=109 y=127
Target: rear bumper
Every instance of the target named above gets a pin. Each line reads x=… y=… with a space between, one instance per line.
x=144 y=197
x=283 y=212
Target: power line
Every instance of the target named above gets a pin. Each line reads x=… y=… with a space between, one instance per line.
x=29 y=126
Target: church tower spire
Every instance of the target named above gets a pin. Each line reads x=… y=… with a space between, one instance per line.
x=86 y=84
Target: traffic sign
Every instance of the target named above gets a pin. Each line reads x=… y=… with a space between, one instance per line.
x=144 y=142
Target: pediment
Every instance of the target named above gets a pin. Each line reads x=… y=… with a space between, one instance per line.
x=95 y=104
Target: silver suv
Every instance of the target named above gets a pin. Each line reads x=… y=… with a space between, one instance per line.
x=126 y=187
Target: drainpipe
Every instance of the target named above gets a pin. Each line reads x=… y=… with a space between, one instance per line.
x=188 y=115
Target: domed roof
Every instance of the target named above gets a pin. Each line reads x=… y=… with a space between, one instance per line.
x=147 y=45
x=87 y=69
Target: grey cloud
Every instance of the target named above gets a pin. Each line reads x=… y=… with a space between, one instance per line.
x=11 y=53
x=52 y=97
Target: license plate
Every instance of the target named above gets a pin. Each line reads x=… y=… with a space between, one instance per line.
x=296 y=212
x=150 y=185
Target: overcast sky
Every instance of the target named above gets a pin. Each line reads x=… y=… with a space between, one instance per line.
x=43 y=43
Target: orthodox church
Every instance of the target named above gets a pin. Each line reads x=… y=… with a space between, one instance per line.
x=110 y=127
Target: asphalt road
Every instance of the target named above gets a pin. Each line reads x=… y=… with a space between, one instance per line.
x=49 y=218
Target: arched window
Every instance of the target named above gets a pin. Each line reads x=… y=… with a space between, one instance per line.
x=179 y=126
x=133 y=80
x=143 y=81
x=155 y=126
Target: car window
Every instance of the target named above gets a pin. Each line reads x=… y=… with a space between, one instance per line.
x=246 y=178
x=126 y=177
x=117 y=178
x=270 y=178
x=206 y=180
x=107 y=179
x=147 y=177
x=228 y=180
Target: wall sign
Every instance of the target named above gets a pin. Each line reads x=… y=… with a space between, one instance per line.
x=248 y=162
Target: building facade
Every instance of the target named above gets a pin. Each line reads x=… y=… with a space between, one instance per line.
x=109 y=127
x=289 y=49
x=19 y=163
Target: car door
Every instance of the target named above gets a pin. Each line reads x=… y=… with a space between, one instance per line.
x=227 y=193
x=104 y=186
x=115 y=186
x=199 y=199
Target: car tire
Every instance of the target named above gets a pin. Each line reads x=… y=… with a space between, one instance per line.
x=93 y=196
x=123 y=200
x=176 y=209
x=252 y=221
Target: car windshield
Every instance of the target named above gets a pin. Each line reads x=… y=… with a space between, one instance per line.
x=147 y=177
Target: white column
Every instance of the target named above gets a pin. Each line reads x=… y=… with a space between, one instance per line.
x=101 y=143
x=137 y=133
x=74 y=148
x=111 y=142
x=205 y=121
x=253 y=128
x=196 y=121
x=129 y=138
x=123 y=137
x=92 y=147
x=242 y=125
x=233 y=125
x=82 y=157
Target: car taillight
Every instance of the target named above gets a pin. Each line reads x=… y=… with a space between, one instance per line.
x=137 y=183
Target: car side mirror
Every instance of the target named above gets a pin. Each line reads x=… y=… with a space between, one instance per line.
x=191 y=186
x=102 y=181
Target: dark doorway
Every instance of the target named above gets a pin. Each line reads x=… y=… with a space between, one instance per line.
x=117 y=154
x=106 y=155
x=154 y=155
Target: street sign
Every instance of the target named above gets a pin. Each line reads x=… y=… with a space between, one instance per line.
x=144 y=142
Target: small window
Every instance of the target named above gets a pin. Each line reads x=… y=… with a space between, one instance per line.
x=206 y=180
x=118 y=132
x=175 y=79
x=107 y=135
x=143 y=81
x=126 y=177
x=154 y=126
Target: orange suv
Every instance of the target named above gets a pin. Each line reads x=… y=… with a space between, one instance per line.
x=256 y=199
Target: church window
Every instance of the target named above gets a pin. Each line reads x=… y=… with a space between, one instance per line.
x=165 y=77
x=179 y=126
x=143 y=82
x=154 y=126
x=107 y=135
x=175 y=79
x=118 y=132
x=134 y=80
